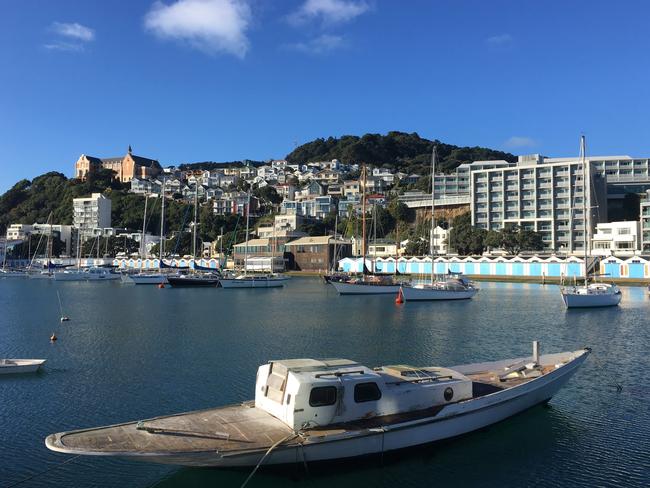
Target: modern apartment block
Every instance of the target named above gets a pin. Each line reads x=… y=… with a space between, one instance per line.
x=645 y=223
x=540 y=196
x=616 y=239
x=91 y=213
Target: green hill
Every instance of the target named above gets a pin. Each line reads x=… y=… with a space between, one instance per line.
x=409 y=153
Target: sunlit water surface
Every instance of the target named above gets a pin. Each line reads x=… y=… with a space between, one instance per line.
x=132 y=352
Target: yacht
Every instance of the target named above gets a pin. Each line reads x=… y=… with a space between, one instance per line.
x=11 y=366
x=308 y=410
x=254 y=281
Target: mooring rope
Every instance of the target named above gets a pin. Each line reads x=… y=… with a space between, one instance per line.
x=42 y=472
x=291 y=436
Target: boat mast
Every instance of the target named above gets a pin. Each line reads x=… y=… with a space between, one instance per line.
x=586 y=221
x=336 y=226
x=144 y=225
x=248 y=205
x=162 y=223
x=363 y=216
x=196 y=210
x=433 y=207
x=78 y=249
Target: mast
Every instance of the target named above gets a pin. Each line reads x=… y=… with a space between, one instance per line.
x=586 y=221
x=144 y=225
x=336 y=226
x=433 y=207
x=162 y=223
x=196 y=210
x=78 y=249
x=248 y=206
x=363 y=216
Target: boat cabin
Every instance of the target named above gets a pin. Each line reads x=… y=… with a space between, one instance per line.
x=306 y=393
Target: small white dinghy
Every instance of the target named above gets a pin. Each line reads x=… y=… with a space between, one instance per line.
x=11 y=366
x=308 y=410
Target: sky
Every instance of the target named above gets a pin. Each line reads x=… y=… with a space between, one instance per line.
x=219 y=80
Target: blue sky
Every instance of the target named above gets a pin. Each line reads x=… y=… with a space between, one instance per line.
x=194 y=80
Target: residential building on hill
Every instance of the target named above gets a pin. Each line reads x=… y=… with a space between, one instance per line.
x=91 y=213
x=645 y=222
x=126 y=167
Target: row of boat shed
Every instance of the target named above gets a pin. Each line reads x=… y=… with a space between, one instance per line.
x=635 y=267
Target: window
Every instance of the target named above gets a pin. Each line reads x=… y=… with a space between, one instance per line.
x=366 y=392
x=624 y=231
x=322 y=396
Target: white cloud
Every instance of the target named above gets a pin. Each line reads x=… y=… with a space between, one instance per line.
x=520 y=141
x=500 y=40
x=319 y=45
x=74 y=31
x=64 y=46
x=212 y=26
x=329 y=11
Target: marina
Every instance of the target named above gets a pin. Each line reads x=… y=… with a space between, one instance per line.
x=112 y=363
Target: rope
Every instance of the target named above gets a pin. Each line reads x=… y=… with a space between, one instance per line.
x=42 y=472
x=281 y=441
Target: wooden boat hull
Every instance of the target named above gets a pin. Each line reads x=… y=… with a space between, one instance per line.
x=411 y=293
x=20 y=366
x=317 y=444
x=345 y=288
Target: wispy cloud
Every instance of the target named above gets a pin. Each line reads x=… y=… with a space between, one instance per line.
x=74 y=31
x=71 y=37
x=328 y=11
x=520 y=142
x=212 y=26
x=499 y=40
x=319 y=45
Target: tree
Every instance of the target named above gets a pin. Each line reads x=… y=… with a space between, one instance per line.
x=530 y=241
x=417 y=246
x=268 y=195
x=510 y=240
x=399 y=211
x=464 y=238
x=493 y=239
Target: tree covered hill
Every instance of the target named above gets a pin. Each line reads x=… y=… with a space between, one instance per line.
x=210 y=165
x=404 y=152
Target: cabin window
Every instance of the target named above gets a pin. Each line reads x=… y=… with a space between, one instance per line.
x=366 y=392
x=322 y=396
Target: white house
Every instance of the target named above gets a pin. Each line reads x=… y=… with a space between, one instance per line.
x=616 y=238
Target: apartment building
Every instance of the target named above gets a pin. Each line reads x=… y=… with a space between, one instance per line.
x=318 y=207
x=645 y=223
x=543 y=197
x=616 y=239
x=91 y=212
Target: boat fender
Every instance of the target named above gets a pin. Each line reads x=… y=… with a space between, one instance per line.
x=161 y=285
x=448 y=393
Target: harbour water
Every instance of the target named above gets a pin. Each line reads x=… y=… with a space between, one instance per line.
x=133 y=352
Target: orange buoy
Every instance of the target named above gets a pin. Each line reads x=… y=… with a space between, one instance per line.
x=400 y=298
x=53 y=337
x=161 y=285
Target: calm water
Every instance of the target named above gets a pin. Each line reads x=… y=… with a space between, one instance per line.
x=134 y=352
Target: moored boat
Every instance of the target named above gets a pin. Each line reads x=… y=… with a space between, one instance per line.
x=254 y=281
x=11 y=366
x=449 y=288
x=309 y=410
x=144 y=278
x=591 y=295
x=368 y=285
x=194 y=280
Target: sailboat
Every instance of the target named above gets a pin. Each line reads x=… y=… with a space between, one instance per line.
x=452 y=287
x=148 y=278
x=73 y=275
x=589 y=294
x=47 y=273
x=368 y=284
x=244 y=280
x=10 y=273
x=196 y=278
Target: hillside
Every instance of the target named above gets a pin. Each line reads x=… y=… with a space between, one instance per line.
x=210 y=165
x=409 y=153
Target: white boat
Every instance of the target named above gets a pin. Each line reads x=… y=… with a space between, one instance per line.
x=595 y=294
x=366 y=287
x=451 y=288
x=11 y=366
x=41 y=275
x=100 y=274
x=253 y=281
x=592 y=295
x=69 y=275
x=145 y=278
x=308 y=410
x=8 y=273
